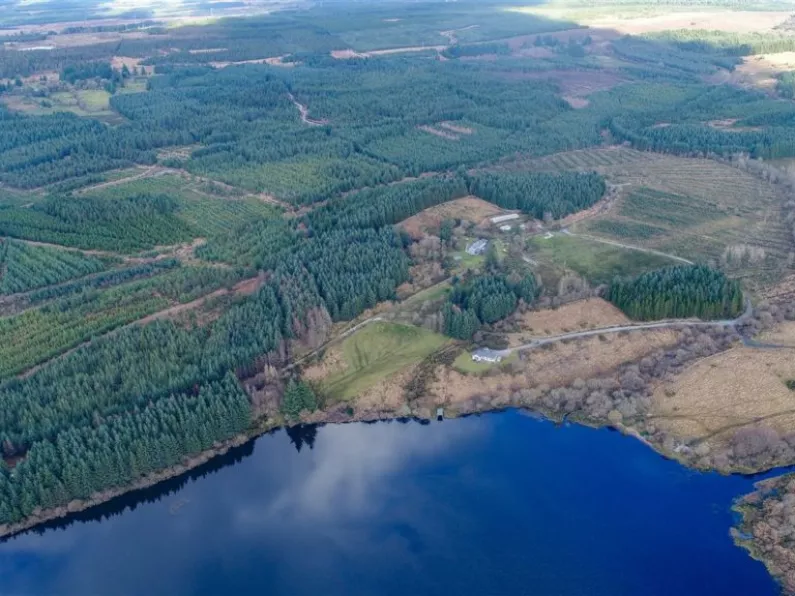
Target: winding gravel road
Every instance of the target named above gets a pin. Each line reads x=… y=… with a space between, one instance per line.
x=668 y=324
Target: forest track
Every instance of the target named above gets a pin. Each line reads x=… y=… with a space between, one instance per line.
x=334 y=340
x=305 y=113
x=627 y=246
x=246 y=286
x=147 y=173
x=450 y=34
x=90 y=251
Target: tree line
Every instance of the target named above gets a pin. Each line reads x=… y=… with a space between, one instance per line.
x=542 y=195
x=118 y=449
x=484 y=300
x=680 y=291
x=131 y=223
x=24 y=267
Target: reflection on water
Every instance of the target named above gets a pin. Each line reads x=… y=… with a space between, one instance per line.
x=499 y=504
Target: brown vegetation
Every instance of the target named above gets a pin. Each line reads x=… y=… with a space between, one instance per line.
x=722 y=20
x=781 y=334
x=767 y=528
x=712 y=400
x=759 y=71
x=581 y=315
x=557 y=366
x=469 y=208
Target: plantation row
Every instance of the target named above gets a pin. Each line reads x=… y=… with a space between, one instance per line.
x=134 y=223
x=102 y=280
x=37 y=335
x=484 y=300
x=24 y=267
x=678 y=292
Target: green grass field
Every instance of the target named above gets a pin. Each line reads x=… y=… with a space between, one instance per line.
x=95 y=100
x=377 y=351
x=596 y=262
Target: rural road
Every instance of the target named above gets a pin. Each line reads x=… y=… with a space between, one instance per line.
x=668 y=324
x=627 y=246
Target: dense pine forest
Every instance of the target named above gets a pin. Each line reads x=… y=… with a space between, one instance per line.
x=678 y=292
x=279 y=154
x=484 y=300
x=544 y=196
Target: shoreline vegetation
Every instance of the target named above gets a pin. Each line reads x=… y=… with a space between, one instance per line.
x=189 y=463
x=198 y=222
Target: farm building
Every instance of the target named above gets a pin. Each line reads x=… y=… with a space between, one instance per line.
x=486 y=355
x=478 y=247
x=503 y=218
x=505 y=228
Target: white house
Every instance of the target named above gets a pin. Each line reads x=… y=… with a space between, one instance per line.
x=478 y=247
x=486 y=355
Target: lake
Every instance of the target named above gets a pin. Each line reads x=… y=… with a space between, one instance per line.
x=500 y=504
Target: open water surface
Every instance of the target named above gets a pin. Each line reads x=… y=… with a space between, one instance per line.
x=500 y=504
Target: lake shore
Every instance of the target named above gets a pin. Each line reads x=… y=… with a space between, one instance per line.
x=766 y=530
x=331 y=416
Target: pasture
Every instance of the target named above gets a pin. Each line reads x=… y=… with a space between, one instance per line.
x=374 y=353
x=598 y=263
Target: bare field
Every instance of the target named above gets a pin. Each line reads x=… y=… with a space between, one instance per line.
x=129 y=62
x=558 y=366
x=350 y=53
x=574 y=83
x=784 y=291
x=758 y=71
x=719 y=394
x=468 y=209
x=272 y=61
x=577 y=103
x=783 y=334
x=463 y=130
x=735 y=21
x=74 y=40
x=582 y=315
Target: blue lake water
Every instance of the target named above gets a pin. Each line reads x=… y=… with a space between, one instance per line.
x=500 y=504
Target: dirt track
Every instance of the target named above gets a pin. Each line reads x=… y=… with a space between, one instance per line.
x=628 y=246
x=668 y=324
x=305 y=113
